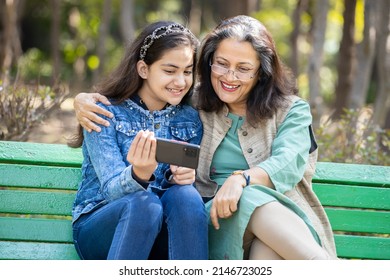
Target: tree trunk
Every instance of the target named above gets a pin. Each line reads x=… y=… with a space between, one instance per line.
x=346 y=60
x=253 y=6
x=365 y=54
x=127 y=25
x=12 y=49
x=195 y=17
x=103 y=33
x=2 y=35
x=230 y=8
x=382 y=100
x=296 y=17
x=315 y=59
x=55 y=39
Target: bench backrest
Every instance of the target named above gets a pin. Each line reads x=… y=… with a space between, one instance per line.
x=38 y=183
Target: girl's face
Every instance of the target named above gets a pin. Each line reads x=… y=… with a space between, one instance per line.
x=234 y=73
x=168 y=79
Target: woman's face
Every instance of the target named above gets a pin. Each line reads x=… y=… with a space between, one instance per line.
x=168 y=79
x=242 y=63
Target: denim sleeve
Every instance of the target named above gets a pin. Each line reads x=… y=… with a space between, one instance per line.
x=115 y=176
x=290 y=148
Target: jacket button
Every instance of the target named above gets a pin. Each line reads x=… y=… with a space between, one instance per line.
x=157 y=126
x=245 y=133
x=250 y=150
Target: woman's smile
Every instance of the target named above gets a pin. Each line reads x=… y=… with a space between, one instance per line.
x=229 y=87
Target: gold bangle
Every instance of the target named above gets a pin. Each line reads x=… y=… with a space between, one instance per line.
x=245 y=175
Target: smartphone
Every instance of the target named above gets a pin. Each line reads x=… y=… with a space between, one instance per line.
x=177 y=153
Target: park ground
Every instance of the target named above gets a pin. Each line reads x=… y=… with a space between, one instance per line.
x=57 y=127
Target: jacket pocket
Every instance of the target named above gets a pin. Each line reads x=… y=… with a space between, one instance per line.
x=183 y=131
x=127 y=128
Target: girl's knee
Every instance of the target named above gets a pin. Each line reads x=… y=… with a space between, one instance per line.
x=145 y=204
x=186 y=202
x=183 y=195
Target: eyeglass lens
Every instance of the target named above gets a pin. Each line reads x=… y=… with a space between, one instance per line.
x=223 y=71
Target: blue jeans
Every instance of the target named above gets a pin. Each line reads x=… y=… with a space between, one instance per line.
x=144 y=225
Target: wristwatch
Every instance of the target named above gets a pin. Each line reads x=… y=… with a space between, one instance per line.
x=245 y=175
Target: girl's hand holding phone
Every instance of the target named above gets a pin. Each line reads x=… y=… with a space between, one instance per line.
x=142 y=154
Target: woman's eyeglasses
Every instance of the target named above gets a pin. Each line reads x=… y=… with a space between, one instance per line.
x=239 y=75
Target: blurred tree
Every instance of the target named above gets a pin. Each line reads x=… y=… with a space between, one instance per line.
x=382 y=100
x=127 y=23
x=228 y=8
x=104 y=26
x=317 y=35
x=301 y=6
x=10 y=46
x=365 y=54
x=192 y=11
x=55 y=32
x=346 y=59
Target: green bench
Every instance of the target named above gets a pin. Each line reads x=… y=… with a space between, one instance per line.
x=38 y=184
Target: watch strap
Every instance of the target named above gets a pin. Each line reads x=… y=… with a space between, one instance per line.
x=245 y=175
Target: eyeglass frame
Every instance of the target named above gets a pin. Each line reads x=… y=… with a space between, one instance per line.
x=234 y=72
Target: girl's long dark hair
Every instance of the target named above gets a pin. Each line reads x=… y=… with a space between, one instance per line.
x=124 y=81
x=275 y=81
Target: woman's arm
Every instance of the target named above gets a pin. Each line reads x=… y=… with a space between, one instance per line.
x=86 y=110
x=290 y=150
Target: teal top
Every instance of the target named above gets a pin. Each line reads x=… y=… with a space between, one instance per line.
x=228 y=157
x=283 y=169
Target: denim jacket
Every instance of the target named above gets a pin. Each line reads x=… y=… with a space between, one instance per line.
x=106 y=173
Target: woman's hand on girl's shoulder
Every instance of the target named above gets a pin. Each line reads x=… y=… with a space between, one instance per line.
x=86 y=110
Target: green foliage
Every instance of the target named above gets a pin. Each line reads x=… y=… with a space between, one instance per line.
x=34 y=65
x=168 y=10
x=353 y=139
x=278 y=22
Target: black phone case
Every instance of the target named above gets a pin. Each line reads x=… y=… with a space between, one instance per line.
x=177 y=153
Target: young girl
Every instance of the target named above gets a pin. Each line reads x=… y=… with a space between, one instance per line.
x=128 y=206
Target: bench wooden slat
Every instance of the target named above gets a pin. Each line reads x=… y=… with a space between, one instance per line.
x=39 y=154
x=37 y=251
x=32 y=176
x=352 y=174
x=35 y=229
x=28 y=202
x=359 y=221
x=353 y=196
x=362 y=247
